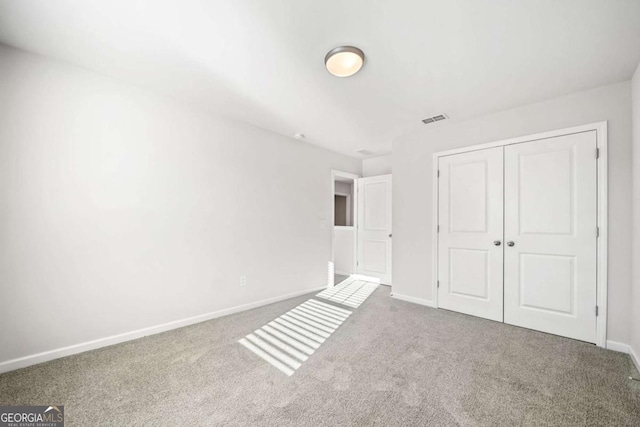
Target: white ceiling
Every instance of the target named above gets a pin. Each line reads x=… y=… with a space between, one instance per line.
x=261 y=61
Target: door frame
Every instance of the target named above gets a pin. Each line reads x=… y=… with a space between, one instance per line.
x=602 y=211
x=340 y=174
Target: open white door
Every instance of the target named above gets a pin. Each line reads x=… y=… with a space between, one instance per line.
x=550 y=232
x=374 y=227
x=470 y=233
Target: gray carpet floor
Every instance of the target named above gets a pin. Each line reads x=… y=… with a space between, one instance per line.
x=390 y=363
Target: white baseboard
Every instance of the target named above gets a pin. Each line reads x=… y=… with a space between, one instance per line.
x=618 y=346
x=625 y=348
x=414 y=300
x=34 y=359
x=634 y=358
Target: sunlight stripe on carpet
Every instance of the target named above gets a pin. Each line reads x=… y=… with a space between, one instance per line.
x=351 y=294
x=289 y=340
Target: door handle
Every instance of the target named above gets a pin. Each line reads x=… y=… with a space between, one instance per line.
x=497 y=242
x=389 y=235
x=510 y=243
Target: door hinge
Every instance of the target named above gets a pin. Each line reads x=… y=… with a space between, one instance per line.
x=597 y=153
x=438 y=284
x=438 y=173
x=596 y=311
x=438 y=229
x=597 y=231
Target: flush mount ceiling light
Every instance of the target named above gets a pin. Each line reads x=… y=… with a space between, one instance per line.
x=344 y=61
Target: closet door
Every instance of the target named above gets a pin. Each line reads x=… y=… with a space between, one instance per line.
x=470 y=190
x=550 y=235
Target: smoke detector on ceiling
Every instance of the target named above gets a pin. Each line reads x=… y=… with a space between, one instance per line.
x=434 y=119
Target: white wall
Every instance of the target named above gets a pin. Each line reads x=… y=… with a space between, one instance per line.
x=635 y=293
x=343 y=250
x=377 y=166
x=121 y=210
x=412 y=186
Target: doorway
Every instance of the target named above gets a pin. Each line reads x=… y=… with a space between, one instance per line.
x=362 y=228
x=343 y=224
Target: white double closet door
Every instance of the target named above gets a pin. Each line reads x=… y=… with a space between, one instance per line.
x=517 y=234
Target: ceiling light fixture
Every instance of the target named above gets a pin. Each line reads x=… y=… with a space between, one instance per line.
x=344 y=61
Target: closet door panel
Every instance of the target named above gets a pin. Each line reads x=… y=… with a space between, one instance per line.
x=470 y=191
x=550 y=235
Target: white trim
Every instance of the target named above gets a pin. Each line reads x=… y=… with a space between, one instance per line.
x=634 y=358
x=526 y=138
x=414 y=300
x=603 y=238
x=342 y=273
x=354 y=219
x=434 y=228
x=618 y=346
x=626 y=349
x=602 y=262
x=34 y=359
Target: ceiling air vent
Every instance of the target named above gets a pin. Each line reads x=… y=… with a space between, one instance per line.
x=434 y=119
